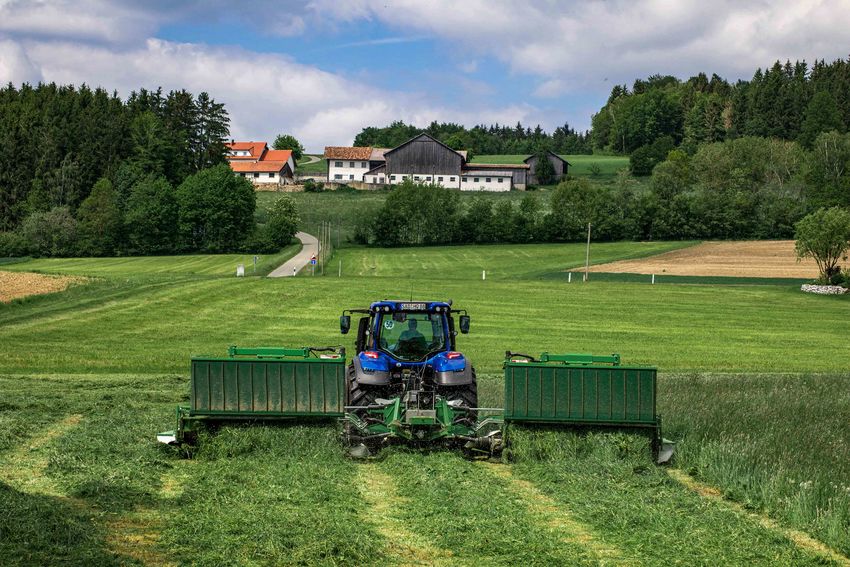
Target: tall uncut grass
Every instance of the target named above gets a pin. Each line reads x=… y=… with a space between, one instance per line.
x=777 y=443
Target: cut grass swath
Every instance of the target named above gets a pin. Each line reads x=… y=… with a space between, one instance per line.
x=477 y=516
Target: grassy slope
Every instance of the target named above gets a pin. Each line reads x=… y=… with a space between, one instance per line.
x=344 y=208
x=579 y=164
x=313 y=168
x=201 y=264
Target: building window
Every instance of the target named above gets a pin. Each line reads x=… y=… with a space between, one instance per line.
x=392 y=177
x=351 y=177
x=451 y=178
x=271 y=175
x=337 y=164
x=416 y=178
x=364 y=164
x=338 y=176
x=440 y=179
x=488 y=180
x=476 y=179
x=464 y=179
x=428 y=178
x=351 y=164
x=500 y=180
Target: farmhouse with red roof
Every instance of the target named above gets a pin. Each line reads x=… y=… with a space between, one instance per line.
x=260 y=165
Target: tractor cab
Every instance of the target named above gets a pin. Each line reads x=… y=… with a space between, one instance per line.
x=404 y=346
x=405 y=333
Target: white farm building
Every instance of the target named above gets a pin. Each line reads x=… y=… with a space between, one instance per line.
x=424 y=159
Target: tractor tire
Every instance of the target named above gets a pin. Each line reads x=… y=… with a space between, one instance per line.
x=468 y=395
x=359 y=395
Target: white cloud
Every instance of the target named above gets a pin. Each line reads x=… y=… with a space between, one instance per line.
x=90 y=20
x=265 y=94
x=15 y=65
x=584 y=42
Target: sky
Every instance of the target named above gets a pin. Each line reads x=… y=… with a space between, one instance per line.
x=324 y=69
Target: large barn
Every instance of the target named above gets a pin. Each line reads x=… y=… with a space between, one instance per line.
x=424 y=159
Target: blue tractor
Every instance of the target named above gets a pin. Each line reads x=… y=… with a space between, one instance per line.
x=409 y=346
x=407 y=383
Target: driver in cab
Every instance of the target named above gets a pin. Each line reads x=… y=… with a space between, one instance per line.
x=411 y=334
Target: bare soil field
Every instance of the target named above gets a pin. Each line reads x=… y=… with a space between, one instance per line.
x=773 y=258
x=21 y=284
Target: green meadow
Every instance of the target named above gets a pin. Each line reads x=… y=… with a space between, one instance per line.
x=753 y=386
x=200 y=264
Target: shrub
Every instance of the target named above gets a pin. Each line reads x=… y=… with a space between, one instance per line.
x=151 y=219
x=311 y=186
x=416 y=214
x=215 y=210
x=99 y=219
x=283 y=221
x=544 y=171
x=12 y=245
x=51 y=233
x=825 y=236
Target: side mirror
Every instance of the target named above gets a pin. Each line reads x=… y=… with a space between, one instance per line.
x=344 y=324
x=464 y=324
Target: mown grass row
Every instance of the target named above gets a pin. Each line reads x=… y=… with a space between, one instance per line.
x=265 y=494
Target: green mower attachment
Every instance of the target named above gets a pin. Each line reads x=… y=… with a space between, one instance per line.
x=262 y=383
x=574 y=391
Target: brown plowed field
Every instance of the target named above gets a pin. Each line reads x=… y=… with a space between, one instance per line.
x=755 y=259
x=21 y=284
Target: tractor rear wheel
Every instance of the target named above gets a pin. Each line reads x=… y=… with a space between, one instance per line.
x=467 y=395
x=359 y=395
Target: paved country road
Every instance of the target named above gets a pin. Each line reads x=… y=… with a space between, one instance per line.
x=309 y=247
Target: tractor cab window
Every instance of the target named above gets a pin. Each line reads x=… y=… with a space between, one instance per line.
x=411 y=336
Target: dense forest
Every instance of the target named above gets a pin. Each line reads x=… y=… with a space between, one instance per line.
x=788 y=101
x=57 y=141
x=83 y=172
x=478 y=140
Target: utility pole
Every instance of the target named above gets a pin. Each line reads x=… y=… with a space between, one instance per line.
x=587 y=254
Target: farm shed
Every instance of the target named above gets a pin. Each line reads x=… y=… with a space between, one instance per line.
x=560 y=165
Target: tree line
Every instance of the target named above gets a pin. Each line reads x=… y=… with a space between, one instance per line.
x=746 y=188
x=790 y=101
x=83 y=172
x=481 y=139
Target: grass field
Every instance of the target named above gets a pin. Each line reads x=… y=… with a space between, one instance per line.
x=312 y=168
x=499 y=262
x=88 y=375
x=200 y=264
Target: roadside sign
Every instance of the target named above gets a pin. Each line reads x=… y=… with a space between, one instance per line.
x=313 y=260
x=240 y=270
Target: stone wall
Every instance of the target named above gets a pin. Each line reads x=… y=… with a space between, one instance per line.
x=824 y=289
